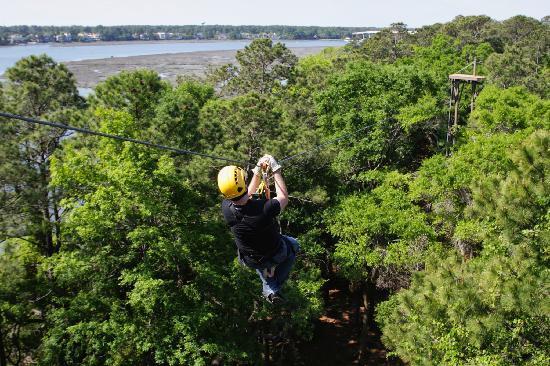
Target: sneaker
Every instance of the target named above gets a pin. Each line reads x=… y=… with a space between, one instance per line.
x=276 y=298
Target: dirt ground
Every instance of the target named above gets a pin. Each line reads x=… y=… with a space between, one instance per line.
x=90 y=72
x=337 y=338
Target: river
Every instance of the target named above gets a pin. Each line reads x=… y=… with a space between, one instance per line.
x=9 y=55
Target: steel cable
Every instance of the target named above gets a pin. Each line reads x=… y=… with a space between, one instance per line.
x=120 y=138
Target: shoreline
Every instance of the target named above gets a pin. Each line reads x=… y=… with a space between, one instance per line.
x=168 y=65
x=156 y=41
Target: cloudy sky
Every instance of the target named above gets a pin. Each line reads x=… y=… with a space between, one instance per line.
x=291 y=12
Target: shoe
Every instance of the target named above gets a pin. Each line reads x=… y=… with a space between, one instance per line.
x=276 y=298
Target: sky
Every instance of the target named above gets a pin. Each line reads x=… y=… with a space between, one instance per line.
x=359 y=13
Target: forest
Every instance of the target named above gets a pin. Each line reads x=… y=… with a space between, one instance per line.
x=113 y=253
x=39 y=33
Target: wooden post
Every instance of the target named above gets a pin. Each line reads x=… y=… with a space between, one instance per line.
x=474 y=96
x=456 y=80
x=456 y=101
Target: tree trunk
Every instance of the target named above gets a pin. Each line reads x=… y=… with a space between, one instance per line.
x=3 y=359
x=46 y=232
x=57 y=222
x=367 y=293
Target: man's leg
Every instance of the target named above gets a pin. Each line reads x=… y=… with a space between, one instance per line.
x=269 y=284
x=283 y=269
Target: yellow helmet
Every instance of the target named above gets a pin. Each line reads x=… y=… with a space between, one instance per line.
x=231 y=181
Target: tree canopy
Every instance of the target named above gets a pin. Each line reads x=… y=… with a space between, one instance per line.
x=115 y=253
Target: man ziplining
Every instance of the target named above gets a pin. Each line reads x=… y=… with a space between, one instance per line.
x=260 y=245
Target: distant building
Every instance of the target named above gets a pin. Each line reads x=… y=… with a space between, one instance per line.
x=161 y=35
x=16 y=38
x=44 y=38
x=65 y=37
x=89 y=37
x=221 y=36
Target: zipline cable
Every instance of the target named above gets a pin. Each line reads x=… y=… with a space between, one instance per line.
x=168 y=148
x=329 y=142
x=117 y=137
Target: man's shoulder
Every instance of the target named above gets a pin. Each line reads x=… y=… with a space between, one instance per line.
x=226 y=207
x=272 y=207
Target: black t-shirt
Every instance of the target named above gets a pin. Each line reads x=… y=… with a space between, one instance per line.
x=254 y=226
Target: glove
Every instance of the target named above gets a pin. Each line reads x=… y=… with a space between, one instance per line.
x=258 y=168
x=274 y=164
x=269 y=160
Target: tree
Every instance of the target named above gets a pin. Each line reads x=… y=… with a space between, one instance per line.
x=519 y=204
x=137 y=92
x=177 y=114
x=23 y=298
x=145 y=279
x=30 y=214
x=261 y=66
x=36 y=87
x=388 y=45
x=371 y=96
x=515 y=67
x=491 y=310
x=469 y=29
x=148 y=272
x=509 y=110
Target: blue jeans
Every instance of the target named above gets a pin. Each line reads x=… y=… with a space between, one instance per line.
x=284 y=260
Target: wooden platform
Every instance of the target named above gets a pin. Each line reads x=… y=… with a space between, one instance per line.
x=466 y=77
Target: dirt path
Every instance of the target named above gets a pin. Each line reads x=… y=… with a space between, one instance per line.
x=337 y=334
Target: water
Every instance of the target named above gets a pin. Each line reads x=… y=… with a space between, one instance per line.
x=9 y=55
x=85 y=92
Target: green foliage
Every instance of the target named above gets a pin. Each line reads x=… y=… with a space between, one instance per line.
x=468 y=29
x=137 y=92
x=239 y=128
x=515 y=67
x=488 y=311
x=135 y=266
x=177 y=113
x=508 y=110
x=29 y=209
x=146 y=269
x=492 y=309
x=141 y=269
x=520 y=203
x=37 y=85
x=444 y=185
x=380 y=229
x=21 y=300
x=373 y=96
x=261 y=66
x=388 y=45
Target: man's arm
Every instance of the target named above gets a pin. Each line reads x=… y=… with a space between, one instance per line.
x=253 y=185
x=280 y=189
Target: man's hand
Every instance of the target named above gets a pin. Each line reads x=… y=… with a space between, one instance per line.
x=258 y=168
x=275 y=166
x=269 y=160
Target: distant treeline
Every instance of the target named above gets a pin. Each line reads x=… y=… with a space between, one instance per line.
x=33 y=33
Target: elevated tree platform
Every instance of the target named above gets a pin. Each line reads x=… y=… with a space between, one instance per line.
x=466 y=77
